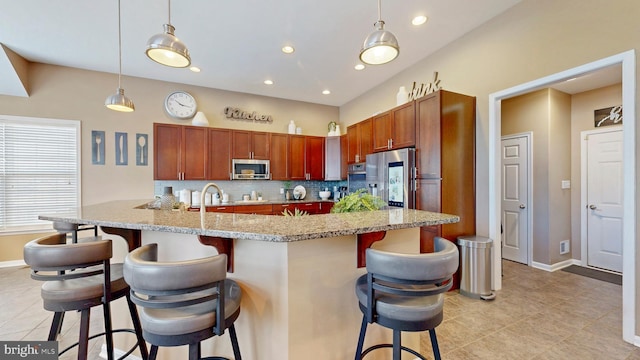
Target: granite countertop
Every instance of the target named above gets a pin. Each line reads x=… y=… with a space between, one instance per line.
x=132 y=214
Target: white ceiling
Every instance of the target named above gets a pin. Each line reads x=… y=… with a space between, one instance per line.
x=237 y=43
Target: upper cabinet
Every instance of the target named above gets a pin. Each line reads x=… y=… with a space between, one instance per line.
x=306 y=157
x=250 y=145
x=334 y=148
x=394 y=129
x=359 y=141
x=279 y=157
x=178 y=152
x=219 y=154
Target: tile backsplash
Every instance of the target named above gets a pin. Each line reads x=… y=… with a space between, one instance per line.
x=270 y=189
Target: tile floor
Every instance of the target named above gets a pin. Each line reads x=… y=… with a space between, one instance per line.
x=537 y=315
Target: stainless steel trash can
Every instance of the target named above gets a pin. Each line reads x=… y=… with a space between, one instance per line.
x=475 y=267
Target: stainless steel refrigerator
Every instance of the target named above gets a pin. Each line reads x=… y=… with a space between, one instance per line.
x=392 y=176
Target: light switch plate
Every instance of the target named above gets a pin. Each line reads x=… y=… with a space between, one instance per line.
x=566 y=184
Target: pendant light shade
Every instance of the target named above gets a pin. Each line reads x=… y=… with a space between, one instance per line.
x=381 y=46
x=119 y=101
x=167 y=49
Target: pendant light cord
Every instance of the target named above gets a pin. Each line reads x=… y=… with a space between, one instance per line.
x=119 y=47
x=169 y=2
x=379 y=10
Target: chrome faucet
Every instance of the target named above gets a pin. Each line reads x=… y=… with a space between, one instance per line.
x=202 y=197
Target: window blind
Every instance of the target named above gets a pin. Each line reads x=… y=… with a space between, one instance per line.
x=39 y=171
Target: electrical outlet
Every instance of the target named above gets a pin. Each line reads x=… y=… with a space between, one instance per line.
x=564 y=247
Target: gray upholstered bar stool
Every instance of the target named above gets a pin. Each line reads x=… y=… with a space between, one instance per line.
x=77 y=277
x=404 y=292
x=183 y=302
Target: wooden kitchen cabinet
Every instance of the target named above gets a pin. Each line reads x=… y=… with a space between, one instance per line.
x=263 y=209
x=180 y=152
x=279 y=157
x=445 y=143
x=311 y=207
x=333 y=151
x=359 y=140
x=219 y=154
x=306 y=157
x=394 y=129
x=325 y=207
x=250 y=145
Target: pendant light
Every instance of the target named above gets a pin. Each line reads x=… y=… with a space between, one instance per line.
x=119 y=101
x=167 y=49
x=381 y=46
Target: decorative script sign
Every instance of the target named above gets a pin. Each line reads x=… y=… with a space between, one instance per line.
x=236 y=113
x=421 y=90
x=607 y=116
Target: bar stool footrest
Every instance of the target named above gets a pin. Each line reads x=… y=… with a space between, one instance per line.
x=124 y=356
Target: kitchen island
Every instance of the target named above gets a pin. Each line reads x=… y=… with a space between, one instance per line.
x=297 y=273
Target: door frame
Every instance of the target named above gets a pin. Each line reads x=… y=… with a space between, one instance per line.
x=529 y=136
x=583 y=189
x=628 y=61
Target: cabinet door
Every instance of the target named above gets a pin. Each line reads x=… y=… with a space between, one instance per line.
x=260 y=145
x=167 y=139
x=381 y=131
x=325 y=207
x=366 y=138
x=429 y=199
x=241 y=144
x=344 y=153
x=428 y=138
x=194 y=157
x=310 y=207
x=219 y=154
x=278 y=209
x=403 y=126
x=296 y=157
x=278 y=155
x=353 y=144
x=314 y=157
x=332 y=159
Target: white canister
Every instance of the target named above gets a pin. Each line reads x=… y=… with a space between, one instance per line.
x=207 y=199
x=402 y=96
x=299 y=130
x=195 y=198
x=292 y=127
x=185 y=196
x=225 y=198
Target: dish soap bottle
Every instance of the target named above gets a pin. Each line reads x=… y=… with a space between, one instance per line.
x=292 y=127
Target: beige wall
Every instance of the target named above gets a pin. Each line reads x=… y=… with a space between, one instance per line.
x=533 y=39
x=66 y=93
x=582 y=107
x=546 y=114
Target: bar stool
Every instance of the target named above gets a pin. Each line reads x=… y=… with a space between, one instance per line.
x=72 y=230
x=78 y=277
x=183 y=302
x=404 y=292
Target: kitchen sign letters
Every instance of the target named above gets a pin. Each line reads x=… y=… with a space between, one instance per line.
x=424 y=89
x=236 y=113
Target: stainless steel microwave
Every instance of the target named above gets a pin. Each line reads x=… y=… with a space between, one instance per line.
x=250 y=169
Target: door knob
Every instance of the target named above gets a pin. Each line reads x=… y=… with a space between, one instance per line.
x=522 y=206
x=592 y=207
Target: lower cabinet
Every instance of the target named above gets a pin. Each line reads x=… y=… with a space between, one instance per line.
x=311 y=207
x=265 y=209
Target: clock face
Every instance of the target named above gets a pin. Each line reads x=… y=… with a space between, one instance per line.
x=180 y=105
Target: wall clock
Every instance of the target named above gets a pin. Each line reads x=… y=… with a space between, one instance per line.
x=180 y=105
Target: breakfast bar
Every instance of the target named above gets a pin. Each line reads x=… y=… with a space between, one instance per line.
x=297 y=273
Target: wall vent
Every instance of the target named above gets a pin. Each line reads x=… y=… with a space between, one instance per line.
x=564 y=247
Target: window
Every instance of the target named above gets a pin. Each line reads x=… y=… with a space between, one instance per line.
x=39 y=170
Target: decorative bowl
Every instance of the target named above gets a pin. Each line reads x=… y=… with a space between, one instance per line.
x=324 y=195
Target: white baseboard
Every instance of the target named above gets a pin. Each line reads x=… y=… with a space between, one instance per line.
x=117 y=352
x=12 y=263
x=556 y=266
x=636 y=341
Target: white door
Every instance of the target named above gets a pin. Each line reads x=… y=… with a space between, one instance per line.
x=604 y=200
x=515 y=209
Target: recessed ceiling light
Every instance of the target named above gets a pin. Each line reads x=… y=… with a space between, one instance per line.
x=288 y=49
x=359 y=67
x=268 y=82
x=195 y=69
x=419 y=20
x=326 y=92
